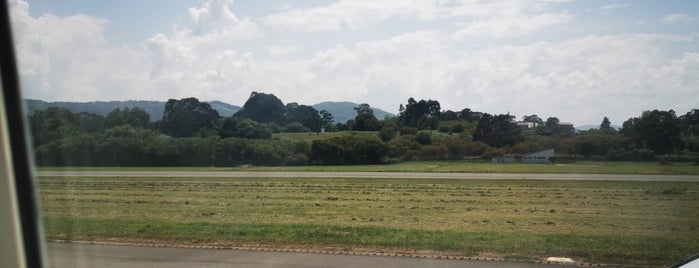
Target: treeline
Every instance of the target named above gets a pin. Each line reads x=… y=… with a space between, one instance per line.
x=191 y=133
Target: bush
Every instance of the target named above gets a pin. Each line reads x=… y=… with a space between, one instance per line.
x=493 y=152
x=633 y=155
x=434 y=152
x=423 y=138
x=348 y=150
x=387 y=133
x=408 y=131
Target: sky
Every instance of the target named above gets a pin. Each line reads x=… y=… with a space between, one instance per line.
x=578 y=61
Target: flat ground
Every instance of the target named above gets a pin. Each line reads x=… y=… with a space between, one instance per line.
x=580 y=167
x=626 y=222
x=106 y=256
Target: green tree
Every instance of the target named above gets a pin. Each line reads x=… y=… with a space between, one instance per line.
x=52 y=124
x=470 y=116
x=606 y=125
x=326 y=119
x=422 y=114
x=366 y=122
x=233 y=126
x=304 y=114
x=533 y=119
x=498 y=131
x=655 y=130
x=135 y=117
x=187 y=117
x=689 y=123
x=364 y=108
x=89 y=122
x=263 y=108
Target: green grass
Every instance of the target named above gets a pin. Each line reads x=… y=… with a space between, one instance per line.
x=648 y=223
x=582 y=167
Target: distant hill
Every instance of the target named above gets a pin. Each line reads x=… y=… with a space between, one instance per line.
x=343 y=111
x=154 y=108
x=224 y=109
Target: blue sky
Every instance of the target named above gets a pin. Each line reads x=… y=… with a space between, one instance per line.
x=576 y=60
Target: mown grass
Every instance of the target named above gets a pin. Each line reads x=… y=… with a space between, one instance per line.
x=649 y=223
x=582 y=167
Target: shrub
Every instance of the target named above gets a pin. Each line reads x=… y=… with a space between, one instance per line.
x=408 y=131
x=423 y=138
x=348 y=150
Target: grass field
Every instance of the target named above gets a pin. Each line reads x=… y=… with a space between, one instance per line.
x=647 y=223
x=581 y=167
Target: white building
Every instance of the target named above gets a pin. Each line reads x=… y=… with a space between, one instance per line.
x=541 y=157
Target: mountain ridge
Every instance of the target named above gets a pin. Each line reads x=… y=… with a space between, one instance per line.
x=344 y=110
x=341 y=111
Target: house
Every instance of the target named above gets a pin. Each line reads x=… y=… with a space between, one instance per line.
x=541 y=157
x=526 y=125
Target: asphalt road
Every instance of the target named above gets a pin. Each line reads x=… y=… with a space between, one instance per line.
x=106 y=256
x=403 y=175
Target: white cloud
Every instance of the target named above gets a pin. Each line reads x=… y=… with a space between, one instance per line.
x=505 y=19
x=580 y=79
x=67 y=58
x=510 y=26
x=351 y=14
x=215 y=20
x=614 y=6
x=678 y=17
x=497 y=19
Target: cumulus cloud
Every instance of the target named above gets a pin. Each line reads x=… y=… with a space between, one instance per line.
x=352 y=14
x=510 y=26
x=505 y=19
x=677 y=17
x=67 y=58
x=485 y=18
x=579 y=79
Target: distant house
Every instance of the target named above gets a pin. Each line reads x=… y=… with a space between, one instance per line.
x=541 y=157
x=526 y=125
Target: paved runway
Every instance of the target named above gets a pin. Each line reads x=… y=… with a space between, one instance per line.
x=107 y=256
x=402 y=175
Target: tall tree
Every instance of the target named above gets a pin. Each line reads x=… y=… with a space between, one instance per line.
x=689 y=123
x=187 y=117
x=304 y=114
x=52 y=124
x=656 y=130
x=366 y=122
x=533 y=119
x=364 y=108
x=135 y=117
x=422 y=115
x=606 y=125
x=326 y=118
x=498 y=131
x=89 y=122
x=263 y=108
x=470 y=116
